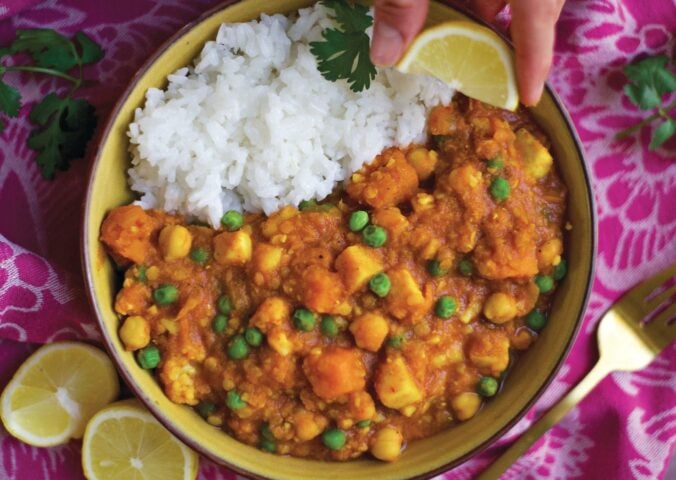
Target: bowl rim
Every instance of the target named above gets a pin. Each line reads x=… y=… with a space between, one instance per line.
x=172 y=426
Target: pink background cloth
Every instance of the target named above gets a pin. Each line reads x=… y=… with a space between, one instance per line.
x=626 y=427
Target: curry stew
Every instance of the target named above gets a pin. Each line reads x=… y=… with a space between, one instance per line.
x=378 y=316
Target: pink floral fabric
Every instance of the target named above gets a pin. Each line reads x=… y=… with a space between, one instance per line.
x=626 y=427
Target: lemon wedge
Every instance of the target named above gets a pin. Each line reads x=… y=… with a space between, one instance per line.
x=125 y=441
x=471 y=58
x=56 y=391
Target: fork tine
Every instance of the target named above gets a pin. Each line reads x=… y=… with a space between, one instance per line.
x=653 y=303
x=659 y=329
x=644 y=289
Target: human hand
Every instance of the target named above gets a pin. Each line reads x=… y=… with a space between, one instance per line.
x=533 y=21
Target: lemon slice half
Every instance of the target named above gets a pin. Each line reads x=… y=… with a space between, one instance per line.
x=471 y=58
x=125 y=441
x=56 y=391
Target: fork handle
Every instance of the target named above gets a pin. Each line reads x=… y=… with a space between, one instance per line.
x=556 y=413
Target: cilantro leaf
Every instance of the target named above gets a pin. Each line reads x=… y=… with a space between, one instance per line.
x=345 y=56
x=351 y=18
x=662 y=133
x=66 y=125
x=90 y=51
x=651 y=80
x=344 y=53
x=10 y=99
x=48 y=48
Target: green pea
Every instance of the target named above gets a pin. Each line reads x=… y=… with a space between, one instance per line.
x=545 y=283
x=374 y=236
x=268 y=445
x=395 y=341
x=268 y=442
x=560 y=270
x=253 y=336
x=232 y=220
x=487 y=386
x=465 y=267
x=204 y=409
x=536 y=320
x=304 y=319
x=234 y=401
x=364 y=423
x=219 y=323
x=165 y=294
x=148 y=357
x=439 y=140
x=500 y=189
x=266 y=432
x=328 y=326
x=380 y=284
x=434 y=268
x=141 y=273
x=333 y=439
x=238 y=348
x=358 y=220
x=306 y=205
x=445 y=307
x=199 y=255
x=224 y=305
x=495 y=163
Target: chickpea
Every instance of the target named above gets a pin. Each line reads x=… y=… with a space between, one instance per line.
x=549 y=253
x=135 y=332
x=500 y=308
x=466 y=405
x=175 y=242
x=387 y=444
x=306 y=426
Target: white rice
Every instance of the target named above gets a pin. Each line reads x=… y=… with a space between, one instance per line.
x=253 y=125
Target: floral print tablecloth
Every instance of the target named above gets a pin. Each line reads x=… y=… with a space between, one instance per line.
x=626 y=428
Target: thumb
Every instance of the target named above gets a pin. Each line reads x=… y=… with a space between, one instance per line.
x=396 y=23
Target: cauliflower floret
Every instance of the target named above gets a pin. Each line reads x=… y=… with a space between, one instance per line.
x=178 y=377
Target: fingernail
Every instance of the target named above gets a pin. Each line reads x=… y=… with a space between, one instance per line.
x=387 y=45
x=533 y=97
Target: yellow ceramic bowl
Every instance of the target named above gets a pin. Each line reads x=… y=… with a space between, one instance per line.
x=108 y=189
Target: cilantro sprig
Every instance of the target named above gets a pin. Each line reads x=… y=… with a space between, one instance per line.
x=344 y=52
x=63 y=123
x=650 y=81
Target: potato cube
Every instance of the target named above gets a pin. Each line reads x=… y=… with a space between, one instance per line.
x=489 y=351
x=395 y=385
x=232 y=248
x=267 y=258
x=356 y=265
x=369 y=330
x=322 y=290
x=335 y=371
x=274 y=311
x=406 y=299
x=537 y=160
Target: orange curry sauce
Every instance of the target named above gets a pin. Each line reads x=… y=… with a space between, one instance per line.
x=394 y=371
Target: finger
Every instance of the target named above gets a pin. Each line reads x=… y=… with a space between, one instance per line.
x=488 y=9
x=533 y=31
x=396 y=24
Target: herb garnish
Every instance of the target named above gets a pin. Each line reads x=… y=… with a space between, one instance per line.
x=344 y=54
x=651 y=80
x=64 y=124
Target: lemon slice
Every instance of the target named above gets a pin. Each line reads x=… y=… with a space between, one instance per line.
x=56 y=391
x=471 y=58
x=125 y=441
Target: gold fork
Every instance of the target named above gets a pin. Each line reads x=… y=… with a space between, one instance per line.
x=625 y=344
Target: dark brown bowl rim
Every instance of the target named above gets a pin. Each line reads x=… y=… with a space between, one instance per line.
x=170 y=425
